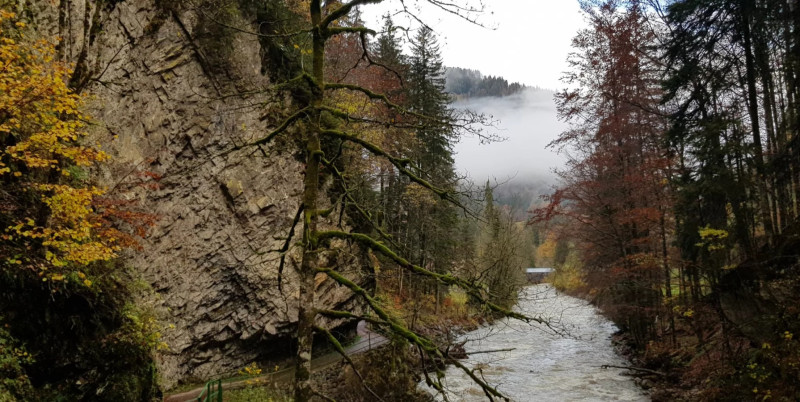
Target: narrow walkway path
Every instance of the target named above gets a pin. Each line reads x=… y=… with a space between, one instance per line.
x=367 y=340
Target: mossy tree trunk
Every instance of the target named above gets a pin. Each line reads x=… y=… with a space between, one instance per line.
x=308 y=269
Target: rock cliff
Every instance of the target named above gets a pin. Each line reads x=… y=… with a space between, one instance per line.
x=164 y=107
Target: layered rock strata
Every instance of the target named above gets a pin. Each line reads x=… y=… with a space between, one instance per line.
x=170 y=116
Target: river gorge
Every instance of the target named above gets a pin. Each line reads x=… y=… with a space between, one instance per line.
x=533 y=362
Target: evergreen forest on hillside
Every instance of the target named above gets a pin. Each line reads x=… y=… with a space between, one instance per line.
x=463 y=82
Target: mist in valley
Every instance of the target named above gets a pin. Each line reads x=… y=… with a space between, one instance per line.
x=521 y=166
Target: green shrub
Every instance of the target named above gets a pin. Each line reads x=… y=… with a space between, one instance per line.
x=14 y=383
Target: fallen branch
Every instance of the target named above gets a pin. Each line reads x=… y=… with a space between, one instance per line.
x=491 y=351
x=643 y=370
x=340 y=349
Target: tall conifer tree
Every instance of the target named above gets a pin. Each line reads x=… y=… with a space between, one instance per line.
x=433 y=223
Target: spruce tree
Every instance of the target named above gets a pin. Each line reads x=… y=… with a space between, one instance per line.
x=432 y=225
x=388 y=48
x=427 y=97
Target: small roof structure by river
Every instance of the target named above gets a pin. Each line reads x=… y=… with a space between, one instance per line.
x=537 y=275
x=539 y=270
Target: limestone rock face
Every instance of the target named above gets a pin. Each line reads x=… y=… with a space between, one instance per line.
x=162 y=110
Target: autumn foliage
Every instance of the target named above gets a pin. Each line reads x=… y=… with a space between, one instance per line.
x=681 y=188
x=614 y=192
x=48 y=208
x=71 y=330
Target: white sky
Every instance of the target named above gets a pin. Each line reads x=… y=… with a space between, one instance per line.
x=529 y=41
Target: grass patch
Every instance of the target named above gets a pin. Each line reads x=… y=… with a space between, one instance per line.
x=254 y=393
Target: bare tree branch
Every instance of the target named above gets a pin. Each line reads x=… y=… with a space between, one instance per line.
x=426 y=345
x=343 y=11
x=339 y=349
x=283 y=127
x=470 y=288
x=286 y=244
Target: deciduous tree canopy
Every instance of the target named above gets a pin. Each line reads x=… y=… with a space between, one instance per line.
x=684 y=177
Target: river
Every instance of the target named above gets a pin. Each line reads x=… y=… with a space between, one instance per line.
x=545 y=366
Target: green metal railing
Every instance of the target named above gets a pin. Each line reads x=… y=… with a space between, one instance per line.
x=212 y=392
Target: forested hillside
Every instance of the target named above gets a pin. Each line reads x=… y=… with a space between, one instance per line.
x=466 y=83
x=681 y=196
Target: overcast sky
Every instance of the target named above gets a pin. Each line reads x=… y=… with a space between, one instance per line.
x=528 y=42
